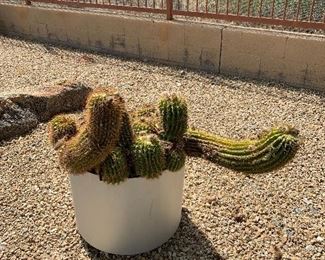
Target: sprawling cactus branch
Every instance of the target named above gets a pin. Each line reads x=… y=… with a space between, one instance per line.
x=269 y=151
x=120 y=145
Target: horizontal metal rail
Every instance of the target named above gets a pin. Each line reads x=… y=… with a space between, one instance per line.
x=255 y=20
x=79 y=4
x=304 y=14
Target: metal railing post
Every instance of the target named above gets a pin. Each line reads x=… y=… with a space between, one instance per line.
x=169 y=5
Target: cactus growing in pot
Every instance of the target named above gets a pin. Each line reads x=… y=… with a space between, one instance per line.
x=128 y=168
x=142 y=135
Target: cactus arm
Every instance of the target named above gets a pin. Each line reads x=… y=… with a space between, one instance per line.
x=173 y=113
x=175 y=159
x=126 y=140
x=270 y=151
x=114 y=169
x=148 y=156
x=97 y=138
x=236 y=144
x=61 y=128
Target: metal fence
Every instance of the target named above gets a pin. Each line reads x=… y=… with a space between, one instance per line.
x=287 y=13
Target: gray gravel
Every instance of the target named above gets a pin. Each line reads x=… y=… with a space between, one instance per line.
x=233 y=215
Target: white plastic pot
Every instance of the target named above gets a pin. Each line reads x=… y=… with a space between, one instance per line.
x=132 y=217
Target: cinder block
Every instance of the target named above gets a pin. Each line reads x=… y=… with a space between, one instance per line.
x=148 y=48
x=15 y=19
x=202 y=35
x=253 y=42
x=142 y=28
x=176 y=53
x=294 y=73
x=315 y=76
x=175 y=33
x=310 y=51
x=241 y=64
x=272 y=68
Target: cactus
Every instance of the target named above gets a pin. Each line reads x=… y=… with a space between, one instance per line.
x=152 y=139
x=98 y=136
x=175 y=159
x=126 y=141
x=61 y=127
x=148 y=156
x=114 y=169
x=173 y=112
x=146 y=120
x=268 y=152
x=126 y=138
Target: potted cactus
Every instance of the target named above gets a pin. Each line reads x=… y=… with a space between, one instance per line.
x=127 y=169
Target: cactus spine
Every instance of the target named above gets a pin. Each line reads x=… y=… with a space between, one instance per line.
x=61 y=127
x=99 y=135
x=268 y=152
x=173 y=112
x=148 y=156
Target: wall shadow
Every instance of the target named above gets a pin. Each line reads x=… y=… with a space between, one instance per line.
x=187 y=243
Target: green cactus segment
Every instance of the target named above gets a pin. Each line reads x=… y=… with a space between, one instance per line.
x=175 y=160
x=126 y=136
x=98 y=136
x=233 y=144
x=173 y=112
x=103 y=112
x=126 y=141
x=148 y=156
x=61 y=127
x=269 y=151
x=114 y=169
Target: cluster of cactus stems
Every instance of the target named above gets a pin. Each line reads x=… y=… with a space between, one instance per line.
x=117 y=145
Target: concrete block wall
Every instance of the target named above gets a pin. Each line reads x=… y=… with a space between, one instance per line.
x=287 y=57
x=192 y=45
x=295 y=59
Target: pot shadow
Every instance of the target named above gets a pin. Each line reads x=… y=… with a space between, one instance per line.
x=187 y=243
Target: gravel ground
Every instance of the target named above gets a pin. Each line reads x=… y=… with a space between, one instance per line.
x=227 y=214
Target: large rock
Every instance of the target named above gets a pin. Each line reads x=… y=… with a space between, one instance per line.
x=14 y=120
x=20 y=113
x=62 y=98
